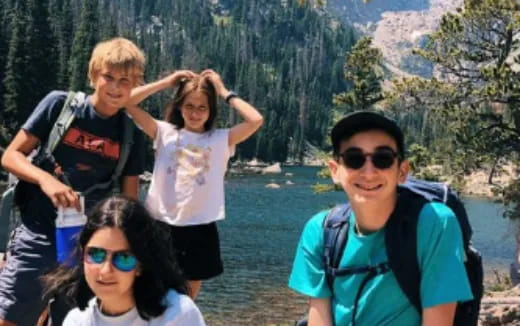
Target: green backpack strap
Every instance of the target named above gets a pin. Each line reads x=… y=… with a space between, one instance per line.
x=128 y=140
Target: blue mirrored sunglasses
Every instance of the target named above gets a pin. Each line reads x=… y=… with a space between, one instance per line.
x=122 y=260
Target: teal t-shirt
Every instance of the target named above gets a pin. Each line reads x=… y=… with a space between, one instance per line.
x=440 y=255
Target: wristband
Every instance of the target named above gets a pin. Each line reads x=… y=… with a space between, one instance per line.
x=230 y=96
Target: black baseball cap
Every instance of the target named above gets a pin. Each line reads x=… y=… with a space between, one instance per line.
x=360 y=121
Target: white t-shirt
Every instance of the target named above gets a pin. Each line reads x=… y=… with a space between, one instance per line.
x=181 y=311
x=187 y=185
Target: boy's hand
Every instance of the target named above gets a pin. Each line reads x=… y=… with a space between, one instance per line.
x=216 y=81
x=140 y=93
x=179 y=75
x=59 y=193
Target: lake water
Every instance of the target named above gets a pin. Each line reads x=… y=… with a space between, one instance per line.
x=260 y=234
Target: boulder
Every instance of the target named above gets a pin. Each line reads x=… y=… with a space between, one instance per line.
x=501 y=308
x=146 y=176
x=253 y=162
x=275 y=168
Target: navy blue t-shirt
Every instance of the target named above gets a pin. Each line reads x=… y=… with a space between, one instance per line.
x=87 y=154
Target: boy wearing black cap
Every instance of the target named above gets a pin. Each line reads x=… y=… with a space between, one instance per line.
x=369 y=163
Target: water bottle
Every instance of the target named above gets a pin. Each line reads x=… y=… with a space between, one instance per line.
x=69 y=223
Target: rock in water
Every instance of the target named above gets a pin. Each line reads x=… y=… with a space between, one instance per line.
x=275 y=168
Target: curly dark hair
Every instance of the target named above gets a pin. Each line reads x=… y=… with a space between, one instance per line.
x=149 y=241
x=173 y=113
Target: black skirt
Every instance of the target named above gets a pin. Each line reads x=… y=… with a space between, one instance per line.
x=197 y=248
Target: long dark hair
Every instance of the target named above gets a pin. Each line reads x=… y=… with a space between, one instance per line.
x=173 y=113
x=148 y=240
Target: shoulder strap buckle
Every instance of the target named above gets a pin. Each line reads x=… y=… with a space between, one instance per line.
x=381 y=268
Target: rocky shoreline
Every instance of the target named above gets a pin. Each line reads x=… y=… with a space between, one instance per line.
x=477 y=183
x=501 y=308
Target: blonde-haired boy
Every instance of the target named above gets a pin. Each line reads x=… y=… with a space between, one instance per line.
x=87 y=155
x=117 y=54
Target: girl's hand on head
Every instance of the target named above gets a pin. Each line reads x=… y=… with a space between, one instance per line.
x=179 y=75
x=216 y=81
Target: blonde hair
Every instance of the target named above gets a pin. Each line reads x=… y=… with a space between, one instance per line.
x=118 y=54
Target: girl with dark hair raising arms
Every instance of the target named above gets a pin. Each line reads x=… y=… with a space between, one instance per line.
x=187 y=188
x=126 y=275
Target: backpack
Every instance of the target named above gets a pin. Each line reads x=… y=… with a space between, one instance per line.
x=401 y=246
x=15 y=194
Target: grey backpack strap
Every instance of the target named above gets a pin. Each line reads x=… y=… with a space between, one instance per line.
x=126 y=146
x=67 y=115
x=65 y=119
x=9 y=219
x=446 y=193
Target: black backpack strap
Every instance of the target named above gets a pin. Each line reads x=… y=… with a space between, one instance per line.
x=128 y=141
x=441 y=192
x=431 y=191
x=401 y=244
x=453 y=201
x=371 y=272
x=126 y=146
x=335 y=237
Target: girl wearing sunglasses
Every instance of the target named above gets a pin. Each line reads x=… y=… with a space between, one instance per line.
x=127 y=275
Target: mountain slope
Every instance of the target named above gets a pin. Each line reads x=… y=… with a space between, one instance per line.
x=396 y=26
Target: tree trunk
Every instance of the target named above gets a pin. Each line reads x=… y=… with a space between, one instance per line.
x=301 y=123
x=492 y=172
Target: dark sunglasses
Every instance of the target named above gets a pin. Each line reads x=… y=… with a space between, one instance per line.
x=122 y=260
x=382 y=158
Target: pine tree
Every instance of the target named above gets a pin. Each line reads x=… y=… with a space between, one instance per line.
x=110 y=28
x=31 y=65
x=477 y=92
x=4 y=38
x=85 y=38
x=363 y=71
x=40 y=74
x=15 y=104
x=3 y=48
x=63 y=29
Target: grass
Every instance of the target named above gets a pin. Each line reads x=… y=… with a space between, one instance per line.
x=497 y=283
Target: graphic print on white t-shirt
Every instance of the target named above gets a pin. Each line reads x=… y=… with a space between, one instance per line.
x=192 y=165
x=187 y=186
